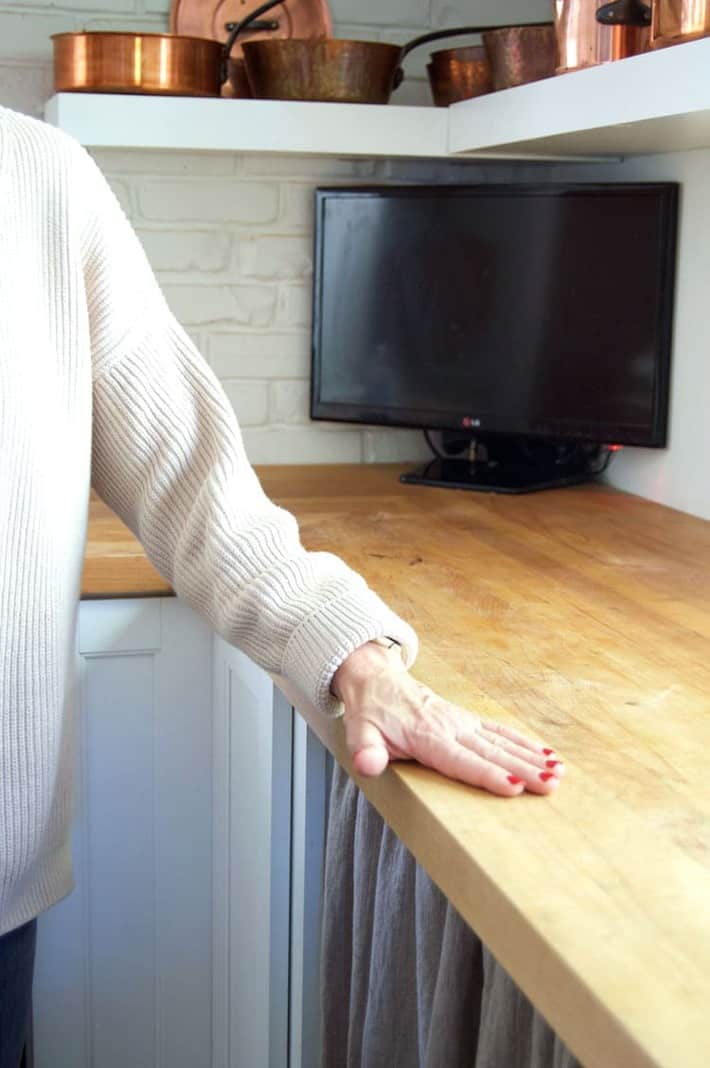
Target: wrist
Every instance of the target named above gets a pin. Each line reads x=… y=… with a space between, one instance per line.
x=374 y=657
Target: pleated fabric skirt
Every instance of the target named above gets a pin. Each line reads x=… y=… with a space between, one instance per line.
x=405 y=983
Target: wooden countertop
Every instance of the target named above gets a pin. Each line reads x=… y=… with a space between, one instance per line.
x=114 y=562
x=582 y=615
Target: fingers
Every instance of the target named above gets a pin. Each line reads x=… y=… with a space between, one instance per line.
x=540 y=760
x=412 y=722
x=502 y=731
x=539 y=773
x=448 y=756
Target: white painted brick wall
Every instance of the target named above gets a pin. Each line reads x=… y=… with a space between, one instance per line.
x=269 y=354
x=290 y=400
x=186 y=250
x=274 y=256
x=303 y=445
x=145 y=162
x=197 y=304
x=250 y=401
x=251 y=203
x=230 y=237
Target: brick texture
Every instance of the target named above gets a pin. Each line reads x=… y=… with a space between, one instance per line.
x=230 y=237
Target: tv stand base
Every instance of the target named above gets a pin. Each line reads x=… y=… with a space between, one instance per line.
x=504 y=477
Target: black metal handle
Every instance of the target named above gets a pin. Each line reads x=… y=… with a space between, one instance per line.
x=260 y=24
x=455 y=31
x=459 y=31
x=624 y=13
x=238 y=28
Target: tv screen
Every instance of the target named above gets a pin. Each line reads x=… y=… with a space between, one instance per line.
x=536 y=311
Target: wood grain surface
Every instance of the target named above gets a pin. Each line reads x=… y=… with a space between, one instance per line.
x=114 y=562
x=580 y=616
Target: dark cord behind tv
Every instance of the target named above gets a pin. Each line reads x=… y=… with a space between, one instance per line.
x=533 y=321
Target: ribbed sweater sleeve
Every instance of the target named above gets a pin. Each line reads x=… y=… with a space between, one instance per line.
x=168 y=458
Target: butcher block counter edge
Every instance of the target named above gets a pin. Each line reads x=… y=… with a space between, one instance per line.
x=578 y=616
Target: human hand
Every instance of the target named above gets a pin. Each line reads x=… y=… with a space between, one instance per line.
x=390 y=716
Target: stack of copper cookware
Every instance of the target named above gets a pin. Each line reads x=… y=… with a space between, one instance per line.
x=200 y=56
x=590 y=32
x=509 y=56
x=283 y=49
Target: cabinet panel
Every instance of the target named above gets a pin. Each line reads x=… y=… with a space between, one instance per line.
x=311 y=766
x=124 y=964
x=251 y=864
x=132 y=625
x=192 y=937
x=119 y=859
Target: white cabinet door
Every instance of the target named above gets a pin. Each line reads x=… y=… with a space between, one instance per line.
x=191 y=939
x=252 y=851
x=124 y=965
x=311 y=778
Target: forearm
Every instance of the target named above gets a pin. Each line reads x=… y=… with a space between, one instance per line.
x=168 y=458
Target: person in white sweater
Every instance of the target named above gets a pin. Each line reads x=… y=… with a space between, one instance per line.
x=99 y=384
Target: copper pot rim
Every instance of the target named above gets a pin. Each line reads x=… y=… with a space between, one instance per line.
x=327 y=44
x=133 y=35
x=543 y=30
x=666 y=40
x=465 y=53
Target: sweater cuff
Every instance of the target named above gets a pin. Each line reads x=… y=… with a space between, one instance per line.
x=326 y=638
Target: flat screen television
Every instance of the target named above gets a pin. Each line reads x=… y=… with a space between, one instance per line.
x=534 y=320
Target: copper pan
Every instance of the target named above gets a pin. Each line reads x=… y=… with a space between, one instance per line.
x=589 y=33
x=346 y=72
x=459 y=74
x=114 y=62
x=521 y=54
x=675 y=21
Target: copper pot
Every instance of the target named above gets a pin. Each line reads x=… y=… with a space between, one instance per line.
x=459 y=74
x=114 y=62
x=589 y=33
x=346 y=72
x=237 y=80
x=521 y=54
x=675 y=21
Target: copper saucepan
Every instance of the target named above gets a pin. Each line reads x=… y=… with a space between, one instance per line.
x=590 y=33
x=675 y=21
x=459 y=74
x=120 y=62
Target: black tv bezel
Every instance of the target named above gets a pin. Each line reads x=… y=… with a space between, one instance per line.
x=655 y=436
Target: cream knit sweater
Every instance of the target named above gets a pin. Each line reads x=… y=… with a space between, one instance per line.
x=99 y=383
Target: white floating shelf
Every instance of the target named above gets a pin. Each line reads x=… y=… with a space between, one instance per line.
x=103 y=120
x=659 y=102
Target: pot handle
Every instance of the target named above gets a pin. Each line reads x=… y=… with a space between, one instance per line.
x=454 y=31
x=236 y=28
x=624 y=13
x=459 y=31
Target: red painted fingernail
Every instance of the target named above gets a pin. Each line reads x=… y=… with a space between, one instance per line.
x=552 y=763
x=547 y=775
x=548 y=752
x=514 y=780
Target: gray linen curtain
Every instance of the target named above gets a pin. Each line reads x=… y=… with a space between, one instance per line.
x=405 y=982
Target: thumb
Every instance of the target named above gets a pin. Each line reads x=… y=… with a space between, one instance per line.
x=366 y=745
